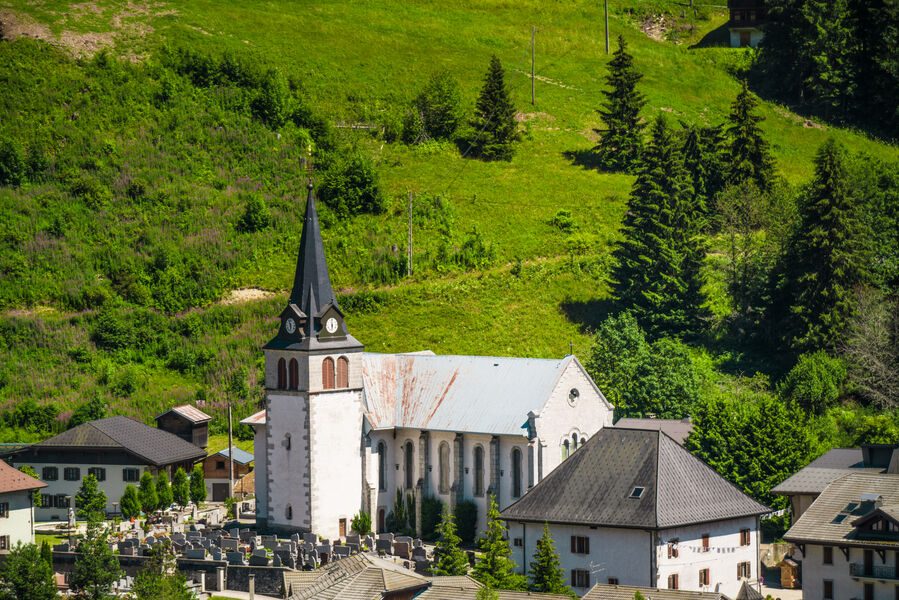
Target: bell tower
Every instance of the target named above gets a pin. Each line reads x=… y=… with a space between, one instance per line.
x=313 y=405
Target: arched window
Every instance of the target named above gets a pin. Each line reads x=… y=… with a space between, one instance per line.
x=328 y=373
x=566 y=449
x=479 y=471
x=409 y=465
x=573 y=442
x=282 y=374
x=343 y=372
x=382 y=520
x=382 y=466
x=294 y=374
x=289 y=512
x=443 y=465
x=583 y=441
x=516 y=473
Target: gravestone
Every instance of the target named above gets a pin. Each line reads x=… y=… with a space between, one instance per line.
x=195 y=553
x=310 y=538
x=385 y=546
x=385 y=536
x=229 y=544
x=402 y=549
x=235 y=558
x=258 y=561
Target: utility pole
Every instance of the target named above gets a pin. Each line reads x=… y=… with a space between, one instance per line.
x=533 y=65
x=606 y=4
x=230 y=456
x=409 y=243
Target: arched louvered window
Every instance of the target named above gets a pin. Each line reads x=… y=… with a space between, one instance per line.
x=573 y=442
x=382 y=466
x=294 y=374
x=566 y=449
x=343 y=372
x=409 y=464
x=479 y=471
x=328 y=373
x=443 y=467
x=282 y=374
x=516 y=473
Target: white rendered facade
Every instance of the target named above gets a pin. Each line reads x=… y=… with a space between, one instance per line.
x=882 y=583
x=17 y=519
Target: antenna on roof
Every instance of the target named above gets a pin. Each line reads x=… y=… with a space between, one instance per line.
x=570 y=347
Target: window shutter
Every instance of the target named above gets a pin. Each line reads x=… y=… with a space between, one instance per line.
x=586 y=545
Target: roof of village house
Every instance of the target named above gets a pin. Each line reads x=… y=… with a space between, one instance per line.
x=466 y=588
x=188 y=412
x=833 y=515
x=676 y=429
x=240 y=456
x=477 y=394
x=602 y=591
x=823 y=470
x=632 y=478
x=154 y=446
x=13 y=480
x=747 y=592
x=359 y=577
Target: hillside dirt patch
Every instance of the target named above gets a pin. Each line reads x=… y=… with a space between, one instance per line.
x=656 y=27
x=246 y=295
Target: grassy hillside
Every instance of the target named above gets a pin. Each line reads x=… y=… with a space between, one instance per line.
x=130 y=228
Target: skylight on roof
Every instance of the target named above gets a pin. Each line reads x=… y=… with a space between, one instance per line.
x=839 y=519
x=850 y=507
x=637 y=492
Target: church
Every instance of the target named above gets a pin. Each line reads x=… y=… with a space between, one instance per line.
x=344 y=431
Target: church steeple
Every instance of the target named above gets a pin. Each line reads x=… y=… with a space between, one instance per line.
x=311 y=283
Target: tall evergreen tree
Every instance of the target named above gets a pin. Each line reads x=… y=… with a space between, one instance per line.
x=496 y=569
x=750 y=157
x=450 y=559
x=197 y=485
x=704 y=154
x=495 y=128
x=149 y=499
x=26 y=575
x=160 y=578
x=180 y=487
x=657 y=275
x=546 y=571
x=827 y=259
x=130 y=502
x=96 y=567
x=163 y=490
x=621 y=143
x=90 y=501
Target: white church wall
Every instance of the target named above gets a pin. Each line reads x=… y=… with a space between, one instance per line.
x=288 y=462
x=335 y=426
x=506 y=444
x=260 y=458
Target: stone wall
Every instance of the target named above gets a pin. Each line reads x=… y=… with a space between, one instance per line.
x=269 y=580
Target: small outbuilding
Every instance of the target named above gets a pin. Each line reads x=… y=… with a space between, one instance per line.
x=187 y=422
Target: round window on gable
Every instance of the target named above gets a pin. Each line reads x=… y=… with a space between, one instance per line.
x=573 y=395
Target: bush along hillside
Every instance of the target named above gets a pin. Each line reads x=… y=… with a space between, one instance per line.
x=740 y=266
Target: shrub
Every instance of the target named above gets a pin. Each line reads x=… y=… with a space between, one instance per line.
x=12 y=162
x=414 y=127
x=256 y=215
x=112 y=331
x=467 y=520
x=350 y=187
x=93 y=193
x=476 y=252
x=563 y=221
x=361 y=523
x=231 y=507
x=273 y=104
x=440 y=106
x=815 y=382
x=431 y=509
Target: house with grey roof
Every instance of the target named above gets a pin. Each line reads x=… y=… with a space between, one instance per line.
x=116 y=450
x=634 y=508
x=220 y=470
x=677 y=429
x=804 y=486
x=344 y=430
x=848 y=539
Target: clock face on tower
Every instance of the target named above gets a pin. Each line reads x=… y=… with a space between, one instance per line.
x=290 y=325
x=331 y=325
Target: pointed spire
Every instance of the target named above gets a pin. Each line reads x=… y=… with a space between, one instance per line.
x=311 y=284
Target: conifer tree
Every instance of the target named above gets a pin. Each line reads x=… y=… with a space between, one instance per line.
x=96 y=567
x=90 y=501
x=703 y=151
x=130 y=502
x=163 y=490
x=494 y=121
x=149 y=500
x=496 y=569
x=197 y=485
x=750 y=157
x=621 y=143
x=657 y=275
x=26 y=575
x=180 y=487
x=451 y=560
x=546 y=572
x=827 y=258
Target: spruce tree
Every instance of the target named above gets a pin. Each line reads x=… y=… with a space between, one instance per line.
x=827 y=258
x=495 y=128
x=180 y=487
x=163 y=490
x=496 y=569
x=197 y=485
x=90 y=501
x=96 y=567
x=750 y=157
x=450 y=559
x=130 y=502
x=149 y=500
x=621 y=143
x=546 y=572
x=657 y=275
x=703 y=151
x=26 y=575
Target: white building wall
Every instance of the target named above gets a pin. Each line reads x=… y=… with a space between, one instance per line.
x=19 y=523
x=815 y=572
x=113 y=486
x=624 y=554
x=722 y=557
x=260 y=457
x=287 y=475
x=561 y=417
x=336 y=460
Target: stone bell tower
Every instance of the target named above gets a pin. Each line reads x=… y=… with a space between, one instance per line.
x=313 y=403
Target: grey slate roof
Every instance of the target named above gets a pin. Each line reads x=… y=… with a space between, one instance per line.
x=602 y=591
x=155 y=446
x=359 y=577
x=311 y=283
x=818 y=523
x=823 y=470
x=676 y=429
x=476 y=394
x=593 y=486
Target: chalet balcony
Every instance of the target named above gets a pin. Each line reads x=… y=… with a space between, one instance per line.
x=873 y=571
